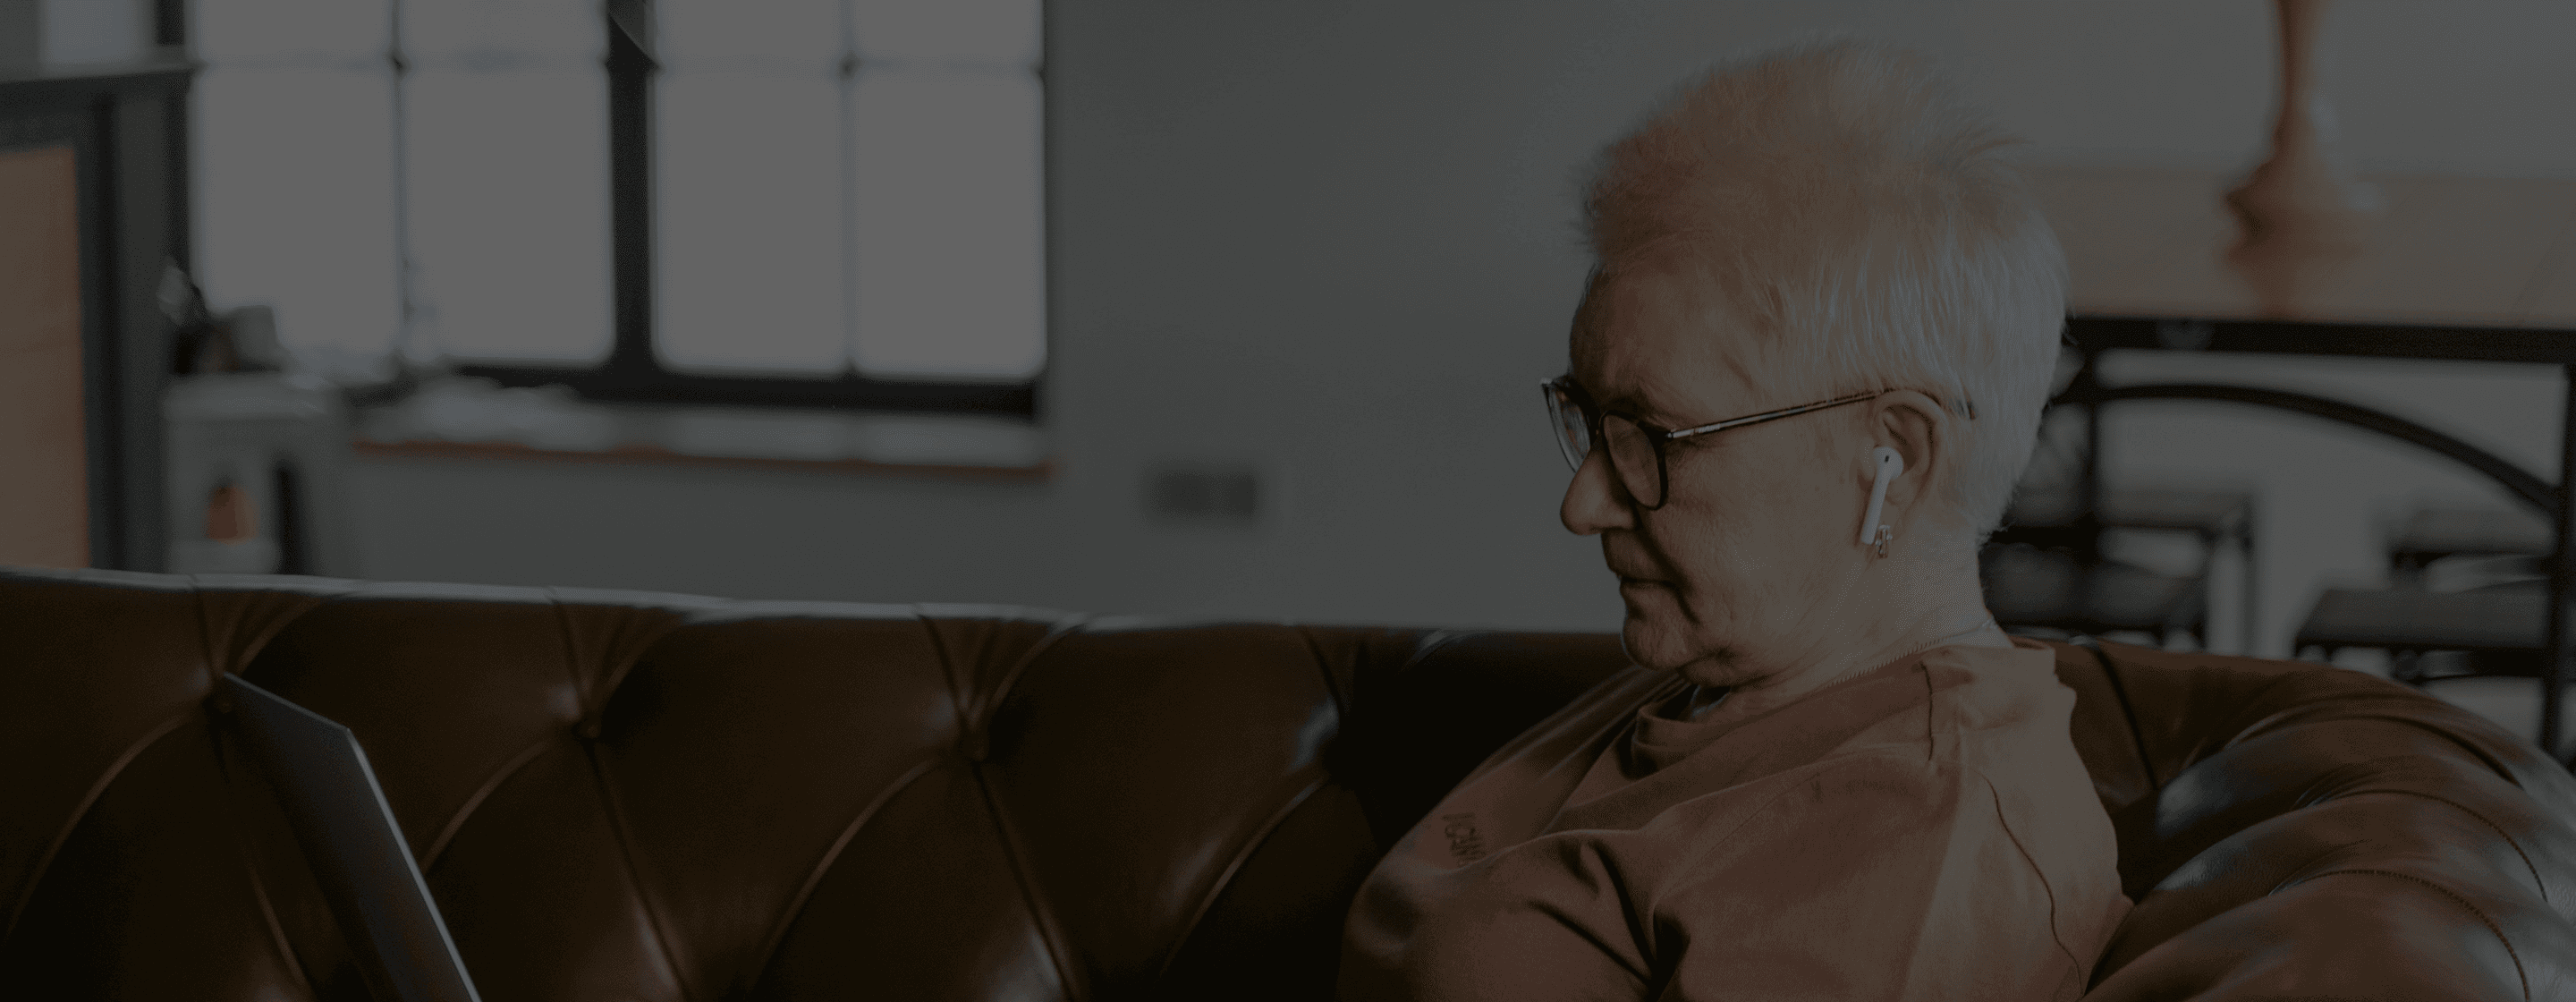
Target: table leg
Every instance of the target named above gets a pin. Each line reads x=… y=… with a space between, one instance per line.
x=2089 y=496
x=2562 y=579
x=2249 y=632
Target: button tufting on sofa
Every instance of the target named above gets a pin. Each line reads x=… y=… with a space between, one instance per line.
x=627 y=795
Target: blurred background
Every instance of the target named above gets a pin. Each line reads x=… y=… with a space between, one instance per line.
x=1204 y=308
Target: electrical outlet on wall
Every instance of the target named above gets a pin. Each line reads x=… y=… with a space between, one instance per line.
x=1204 y=491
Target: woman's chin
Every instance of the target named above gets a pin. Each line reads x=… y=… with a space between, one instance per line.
x=1652 y=643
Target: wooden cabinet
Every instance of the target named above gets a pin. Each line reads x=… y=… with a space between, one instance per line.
x=93 y=211
x=44 y=486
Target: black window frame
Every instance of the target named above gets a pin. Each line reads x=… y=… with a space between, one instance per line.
x=631 y=373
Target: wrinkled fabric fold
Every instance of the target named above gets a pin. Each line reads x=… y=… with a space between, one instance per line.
x=1924 y=830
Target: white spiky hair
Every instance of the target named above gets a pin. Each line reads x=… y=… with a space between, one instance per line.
x=1841 y=199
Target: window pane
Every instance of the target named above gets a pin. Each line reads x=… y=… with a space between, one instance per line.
x=295 y=201
x=999 y=33
x=492 y=33
x=948 y=274
x=747 y=187
x=506 y=109
x=236 y=32
x=509 y=212
x=785 y=35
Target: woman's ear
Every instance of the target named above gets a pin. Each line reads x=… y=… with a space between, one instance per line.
x=1914 y=425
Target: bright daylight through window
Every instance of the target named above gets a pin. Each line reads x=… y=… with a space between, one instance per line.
x=837 y=189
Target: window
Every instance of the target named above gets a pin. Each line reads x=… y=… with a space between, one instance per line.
x=791 y=202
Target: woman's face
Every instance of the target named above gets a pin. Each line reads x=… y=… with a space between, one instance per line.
x=1751 y=560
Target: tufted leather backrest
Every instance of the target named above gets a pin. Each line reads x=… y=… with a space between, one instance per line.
x=632 y=796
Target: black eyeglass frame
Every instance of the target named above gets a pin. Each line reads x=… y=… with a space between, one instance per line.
x=1564 y=388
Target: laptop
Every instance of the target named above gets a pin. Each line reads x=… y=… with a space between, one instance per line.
x=348 y=835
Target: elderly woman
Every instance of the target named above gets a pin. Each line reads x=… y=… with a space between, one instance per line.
x=1805 y=375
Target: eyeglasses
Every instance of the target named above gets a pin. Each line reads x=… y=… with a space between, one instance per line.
x=1637 y=454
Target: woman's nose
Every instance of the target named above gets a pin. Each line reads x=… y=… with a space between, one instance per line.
x=1592 y=502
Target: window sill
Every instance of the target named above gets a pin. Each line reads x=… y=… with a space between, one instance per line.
x=162 y=60
x=369 y=449
x=472 y=419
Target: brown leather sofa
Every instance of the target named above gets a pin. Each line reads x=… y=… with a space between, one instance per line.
x=625 y=796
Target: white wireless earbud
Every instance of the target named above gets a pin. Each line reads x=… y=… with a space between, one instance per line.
x=1890 y=465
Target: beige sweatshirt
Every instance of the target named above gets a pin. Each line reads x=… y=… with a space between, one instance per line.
x=1921 y=831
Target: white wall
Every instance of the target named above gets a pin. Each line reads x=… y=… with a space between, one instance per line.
x=1336 y=239
x=95 y=31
